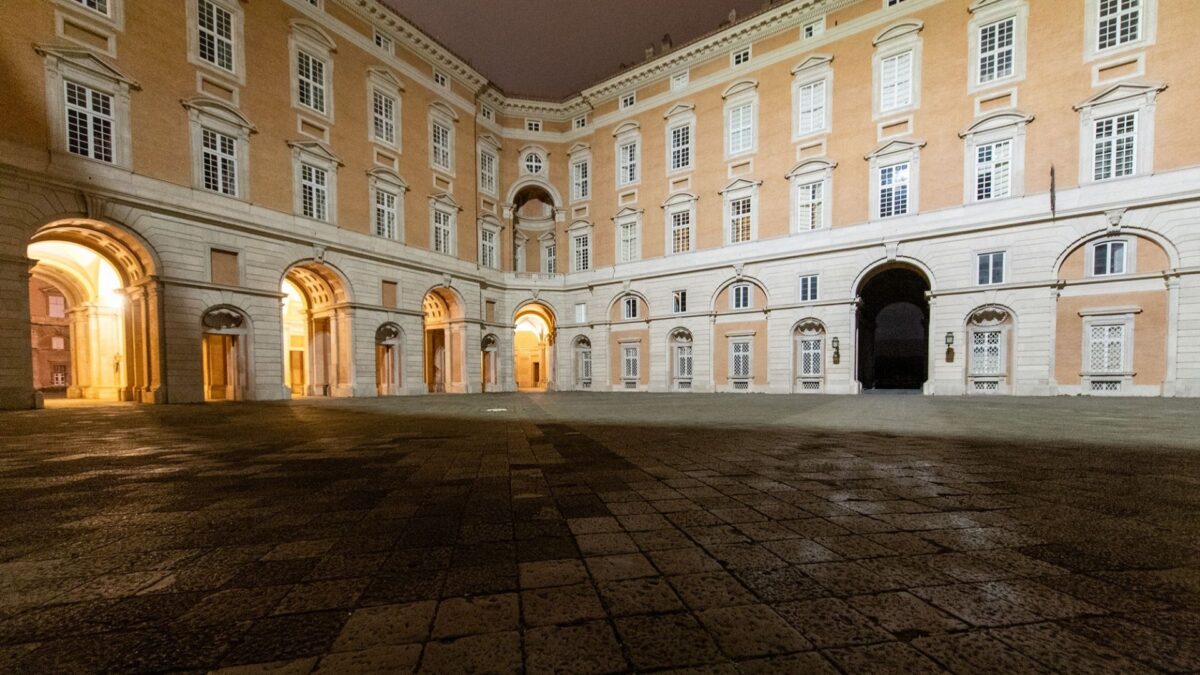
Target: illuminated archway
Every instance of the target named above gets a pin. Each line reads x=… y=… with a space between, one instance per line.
x=225 y=352
x=316 y=331
x=533 y=348
x=445 y=340
x=389 y=370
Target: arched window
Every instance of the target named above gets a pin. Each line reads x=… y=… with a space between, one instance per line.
x=682 y=359
x=583 y=363
x=989 y=331
x=809 y=337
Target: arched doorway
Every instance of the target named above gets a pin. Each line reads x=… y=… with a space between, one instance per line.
x=583 y=362
x=316 y=330
x=94 y=314
x=533 y=348
x=893 y=330
x=444 y=341
x=808 y=356
x=225 y=351
x=682 y=359
x=388 y=362
x=534 y=215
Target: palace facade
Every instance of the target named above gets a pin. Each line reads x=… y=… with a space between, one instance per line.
x=282 y=198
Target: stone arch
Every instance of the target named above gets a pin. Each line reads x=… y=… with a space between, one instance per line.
x=581 y=359
x=716 y=305
x=616 y=300
x=389 y=359
x=445 y=348
x=990 y=345
x=809 y=355
x=226 y=333
x=317 y=330
x=489 y=349
x=892 y=325
x=1169 y=253
x=681 y=358
x=534 y=330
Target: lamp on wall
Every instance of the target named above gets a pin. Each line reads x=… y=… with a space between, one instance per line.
x=837 y=350
x=949 y=347
x=949 y=339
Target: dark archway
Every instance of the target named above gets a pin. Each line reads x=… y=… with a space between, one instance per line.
x=893 y=330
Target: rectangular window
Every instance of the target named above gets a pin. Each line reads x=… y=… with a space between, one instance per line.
x=385 y=213
x=679 y=80
x=1115 y=146
x=679 y=302
x=683 y=362
x=58 y=376
x=993 y=170
x=629 y=307
x=442 y=231
x=628 y=244
x=579 y=122
x=681 y=147
x=57 y=343
x=1108 y=257
x=581 y=184
x=740 y=215
x=550 y=259
x=441 y=146
x=219 y=161
x=990 y=268
x=810 y=356
x=741 y=56
x=383 y=42
x=895 y=82
x=893 y=190
x=628 y=100
x=681 y=231
x=487 y=172
x=488 y=113
x=56 y=306
x=985 y=352
x=808 y=288
x=215 y=34
x=383 y=115
x=580 y=312
x=813 y=28
x=533 y=125
x=585 y=365
x=739 y=359
x=627 y=167
x=631 y=366
x=487 y=248
x=810 y=206
x=996 y=50
x=741 y=296
x=100 y=6
x=741 y=128
x=1120 y=22
x=89 y=123
x=440 y=79
x=310 y=81
x=812 y=108
x=314 y=192
x=1107 y=348
x=583 y=252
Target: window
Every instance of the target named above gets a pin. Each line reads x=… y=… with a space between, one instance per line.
x=1108 y=258
x=314 y=192
x=740 y=295
x=215 y=34
x=487 y=172
x=585 y=366
x=808 y=288
x=993 y=172
x=533 y=125
x=895 y=83
x=383 y=117
x=629 y=245
x=741 y=56
x=681 y=147
x=810 y=356
x=58 y=375
x=990 y=268
x=441 y=79
x=740 y=127
x=683 y=362
x=996 y=50
x=810 y=205
x=580 y=122
x=739 y=359
x=581 y=184
x=441 y=146
x=893 y=3
x=219 y=162
x=100 y=6
x=811 y=108
x=813 y=28
x=1120 y=22
x=310 y=81
x=986 y=352
x=1115 y=146
x=580 y=312
x=740 y=214
x=549 y=257
x=488 y=113
x=893 y=190
x=383 y=42
x=627 y=100
x=487 y=247
x=386 y=213
x=443 y=232
x=56 y=306
x=57 y=343
x=679 y=302
x=582 y=245
x=627 y=163
x=631 y=365
x=681 y=230
x=629 y=307
x=533 y=163
x=89 y=122
x=679 y=80
x=1106 y=348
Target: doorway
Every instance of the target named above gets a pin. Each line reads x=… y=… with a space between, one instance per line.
x=893 y=330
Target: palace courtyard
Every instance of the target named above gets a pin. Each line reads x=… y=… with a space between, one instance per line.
x=603 y=533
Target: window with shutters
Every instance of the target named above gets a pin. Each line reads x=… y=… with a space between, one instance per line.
x=383 y=117
x=629 y=239
x=627 y=163
x=740 y=129
x=986 y=354
x=993 y=170
x=314 y=192
x=310 y=81
x=740 y=217
x=681 y=230
x=1119 y=23
x=631 y=362
x=808 y=288
x=681 y=147
x=811 y=356
x=997 y=50
x=549 y=257
x=683 y=362
x=679 y=302
x=811 y=105
x=739 y=359
x=1106 y=348
x=581 y=182
x=896 y=81
x=386 y=213
x=215 y=34
x=488 y=239
x=487 y=172
x=441 y=146
x=581 y=245
x=810 y=205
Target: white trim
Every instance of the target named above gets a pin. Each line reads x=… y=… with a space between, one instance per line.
x=807 y=173
x=387 y=85
x=214 y=115
x=319 y=47
x=817 y=69
x=443 y=116
x=742 y=95
x=738 y=190
x=1007 y=125
x=988 y=13
x=893 y=42
x=83 y=67
x=891 y=154
x=1091 y=31
x=237 y=71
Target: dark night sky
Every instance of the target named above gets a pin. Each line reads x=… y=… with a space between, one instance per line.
x=554 y=48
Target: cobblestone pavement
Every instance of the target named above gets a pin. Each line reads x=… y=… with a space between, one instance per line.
x=603 y=533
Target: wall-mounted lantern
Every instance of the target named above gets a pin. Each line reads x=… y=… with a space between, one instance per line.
x=837 y=350
x=949 y=347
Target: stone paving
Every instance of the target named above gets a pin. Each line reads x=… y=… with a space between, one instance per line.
x=603 y=533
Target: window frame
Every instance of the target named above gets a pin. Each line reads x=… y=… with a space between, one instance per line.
x=387 y=85
x=450 y=212
x=990 y=255
x=746 y=341
x=440 y=115
x=65 y=64
x=581 y=231
x=1138 y=98
x=745 y=99
x=628 y=135
x=488 y=252
x=890 y=155
x=628 y=221
x=316 y=44
x=735 y=192
x=396 y=193
x=679 y=301
x=891 y=43
x=679 y=203
x=813 y=291
x=630 y=309
x=1128 y=257
x=741 y=56
x=316 y=155
x=737 y=289
x=581 y=181
x=492 y=189
x=985 y=13
x=1091 y=36
x=549 y=250
x=237 y=40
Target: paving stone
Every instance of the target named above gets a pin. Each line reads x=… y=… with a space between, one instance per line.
x=547 y=573
x=1062 y=650
x=977 y=652
x=584 y=648
x=830 y=622
x=905 y=615
x=883 y=659
x=291 y=636
x=560 y=604
x=475 y=615
x=386 y=625
x=376 y=660
x=639 y=596
x=971 y=603
x=751 y=630
x=710 y=589
x=666 y=641
x=489 y=653
x=683 y=561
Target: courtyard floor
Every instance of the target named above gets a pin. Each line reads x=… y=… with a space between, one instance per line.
x=603 y=533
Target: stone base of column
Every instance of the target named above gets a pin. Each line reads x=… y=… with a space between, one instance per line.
x=20 y=398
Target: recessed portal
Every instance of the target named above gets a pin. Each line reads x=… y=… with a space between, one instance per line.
x=533 y=344
x=893 y=330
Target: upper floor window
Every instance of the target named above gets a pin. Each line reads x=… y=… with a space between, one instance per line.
x=1120 y=22
x=629 y=238
x=383 y=42
x=533 y=125
x=810 y=104
x=487 y=172
x=215 y=37
x=679 y=302
x=990 y=268
x=996 y=50
x=813 y=28
x=534 y=163
x=896 y=82
x=443 y=231
x=740 y=296
x=740 y=127
x=681 y=230
x=441 y=79
x=627 y=163
x=679 y=80
x=314 y=192
x=1115 y=146
x=893 y=3
x=1108 y=258
x=808 y=288
x=580 y=122
x=1117 y=131
x=310 y=81
x=740 y=211
x=893 y=190
x=580 y=312
x=741 y=218
x=627 y=100
x=488 y=256
x=89 y=115
x=220 y=162
x=99 y=6
x=993 y=170
x=581 y=244
x=740 y=56
x=488 y=113
x=549 y=257
x=386 y=213
x=896 y=67
x=680 y=147
x=56 y=306
x=629 y=307
x=441 y=137
x=810 y=205
x=383 y=116
x=581 y=183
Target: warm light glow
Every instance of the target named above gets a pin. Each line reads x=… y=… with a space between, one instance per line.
x=532 y=323
x=292 y=299
x=94 y=276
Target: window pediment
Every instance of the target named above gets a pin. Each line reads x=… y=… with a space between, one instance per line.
x=679 y=109
x=985 y=4
x=389 y=176
x=385 y=76
x=1123 y=91
x=740 y=87
x=533 y=148
x=811 y=63
x=547 y=237
x=490 y=221
x=488 y=139
x=895 y=147
x=627 y=212
x=899 y=30
x=579 y=148
x=316 y=149
x=627 y=128
x=221 y=110
x=997 y=120
x=314 y=33
x=740 y=184
x=580 y=226
x=443 y=110
x=85 y=60
x=680 y=198
x=810 y=166
x=444 y=199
